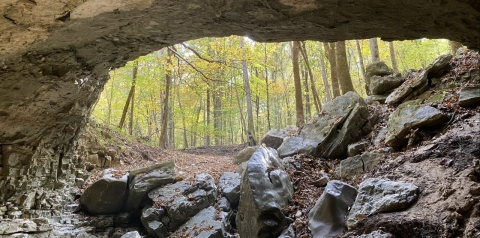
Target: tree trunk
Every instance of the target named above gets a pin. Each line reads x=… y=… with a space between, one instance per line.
x=360 y=60
x=266 y=87
x=308 y=107
x=316 y=99
x=374 y=50
x=130 y=95
x=168 y=78
x=130 y=123
x=217 y=112
x=326 y=85
x=343 y=71
x=251 y=129
x=454 y=46
x=330 y=52
x=109 y=100
x=298 y=85
x=392 y=57
x=207 y=111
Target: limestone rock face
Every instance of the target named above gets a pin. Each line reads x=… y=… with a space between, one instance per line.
x=274 y=138
x=410 y=115
x=331 y=131
x=265 y=189
x=326 y=218
x=107 y=195
x=145 y=179
x=174 y=204
x=379 y=195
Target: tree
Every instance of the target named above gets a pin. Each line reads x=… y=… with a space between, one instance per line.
x=360 y=60
x=343 y=71
x=250 y=129
x=130 y=97
x=331 y=56
x=374 y=50
x=316 y=99
x=323 y=68
x=168 y=79
x=392 y=56
x=298 y=85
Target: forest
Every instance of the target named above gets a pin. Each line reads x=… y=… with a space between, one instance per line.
x=226 y=91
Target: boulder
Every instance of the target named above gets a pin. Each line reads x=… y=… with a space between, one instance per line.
x=244 y=155
x=416 y=86
x=229 y=186
x=107 y=195
x=144 y=180
x=376 y=69
x=357 y=148
x=265 y=190
x=370 y=100
x=274 y=138
x=376 y=234
x=331 y=131
x=37 y=225
x=469 y=96
x=131 y=234
x=173 y=204
x=203 y=224
x=327 y=217
x=378 y=195
x=382 y=84
x=358 y=164
x=410 y=115
x=289 y=232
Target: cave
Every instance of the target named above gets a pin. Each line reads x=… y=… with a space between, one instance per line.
x=55 y=57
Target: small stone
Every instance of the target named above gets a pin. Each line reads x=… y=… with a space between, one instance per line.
x=298 y=214
x=322 y=182
x=469 y=96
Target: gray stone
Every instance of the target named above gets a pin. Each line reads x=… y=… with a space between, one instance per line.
x=371 y=99
x=229 y=185
x=358 y=164
x=357 y=148
x=289 y=232
x=382 y=84
x=378 y=69
x=107 y=195
x=274 y=138
x=412 y=88
x=242 y=167
x=144 y=180
x=131 y=234
x=379 y=195
x=265 y=190
x=331 y=131
x=322 y=182
x=469 y=97
x=10 y=227
x=244 y=155
x=327 y=216
x=79 y=182
x=376 y=234
x=410 y=115
x=224 y=205
x=202 y=225
x=173 y=204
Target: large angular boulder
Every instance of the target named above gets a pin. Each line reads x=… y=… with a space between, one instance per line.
x=229 y=186
x=382 y=84
x=107 y=195
x=376 y=69
x=469 y=96
x=274 y=138
x=416 y=86
x=378 y=195
x=144 y=180
x=265 y=190
x=358 y=164
x=173 y=204
x=244 y=155
x=203 y=224
x=327 y=217
x=331 y=131
x=410 y=115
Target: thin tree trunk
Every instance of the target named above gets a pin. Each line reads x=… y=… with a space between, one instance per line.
x=343 y=71
x=308 y=107
x=130 y=123
x=130 y=95
x=316 y=99
x=266 y=87
x=374 y=50
x=168 y=78
x=207 y=111
x=109 y=113
x=240 y=109
x=330 y=52
x=298 y=86
x=326 y=85
x=360 y=60
x=392 y=56
x=251 y=129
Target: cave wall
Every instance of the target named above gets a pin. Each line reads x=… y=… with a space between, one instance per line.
x=55 y=56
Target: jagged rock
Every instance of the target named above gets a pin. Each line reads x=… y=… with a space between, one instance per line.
x=322 y=182
x=173 y=204
x=32 y=226
x=229 y=185
x=241 y=168
x=224 y=204
x=412 y=88
x=265 y=189
x=107 y=195
x=357 y=148
x=376 y=234
x=274 y=138
x=327 y=216
x=469 y=96
x=204 y=225
x=244 y=155
x=379 y=195
x=371 y=99
x=410 y=115
x=376 y=69
x=382 y=84
x=331 y=131
x=358 y=164
x=131 y=234
x=289 y=232
x=144 y=180
x=228 y=221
